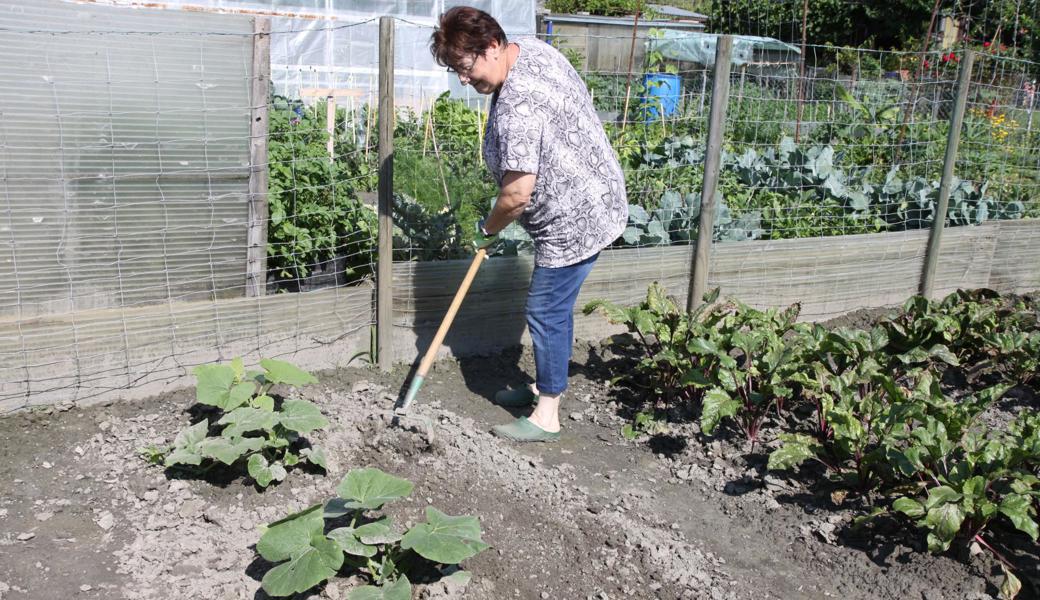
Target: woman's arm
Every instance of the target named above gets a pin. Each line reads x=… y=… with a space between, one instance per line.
x=513 y=197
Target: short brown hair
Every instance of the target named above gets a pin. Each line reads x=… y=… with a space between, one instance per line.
x=464 y=31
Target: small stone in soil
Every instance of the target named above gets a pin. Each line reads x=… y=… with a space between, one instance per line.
x=25 y=537
x=85 y=588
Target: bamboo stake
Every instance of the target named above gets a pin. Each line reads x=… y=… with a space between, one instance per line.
x=801 y=73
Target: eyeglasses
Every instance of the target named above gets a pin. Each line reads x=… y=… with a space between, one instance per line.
x=465 y=71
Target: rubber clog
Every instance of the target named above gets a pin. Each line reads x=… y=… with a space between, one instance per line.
x=523 y=430
x=515 y=398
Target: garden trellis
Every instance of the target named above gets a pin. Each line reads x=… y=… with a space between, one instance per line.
x=138 y=221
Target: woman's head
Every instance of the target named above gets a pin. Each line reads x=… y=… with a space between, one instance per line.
x=470 y=42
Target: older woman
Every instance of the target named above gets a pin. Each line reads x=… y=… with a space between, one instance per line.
x=557 y=175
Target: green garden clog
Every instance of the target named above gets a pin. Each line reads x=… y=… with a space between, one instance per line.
x=515 y=398
x=523 y=430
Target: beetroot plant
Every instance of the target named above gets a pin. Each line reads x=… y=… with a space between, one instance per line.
x=312 y=546
x=251 y=425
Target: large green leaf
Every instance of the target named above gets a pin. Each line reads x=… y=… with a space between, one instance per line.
x=716 y=405
x=228 y=449
x=349 y=542
x=214 y=385
x=305 y=569
x=398 y=590
x=445 y=539
x=185 y=445
x=239 y=394
x=262 y=472
x=282 y=372
x=291 y=535
x=301 y=416
x=378 y=532
x=370 y=488
x=245 y=419
x=797 y=449
x=316 y=456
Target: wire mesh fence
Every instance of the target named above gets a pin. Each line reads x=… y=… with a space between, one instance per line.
x=129 y=187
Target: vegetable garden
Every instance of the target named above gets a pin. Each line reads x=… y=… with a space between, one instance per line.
x=726 y=448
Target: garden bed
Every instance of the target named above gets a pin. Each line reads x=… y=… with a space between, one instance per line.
x=595 y=516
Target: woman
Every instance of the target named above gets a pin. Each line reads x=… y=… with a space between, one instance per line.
x=557 y=175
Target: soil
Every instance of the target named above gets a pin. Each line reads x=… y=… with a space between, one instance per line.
x=668 y=516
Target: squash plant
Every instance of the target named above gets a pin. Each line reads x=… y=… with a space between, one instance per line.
x=315 y=544
x=252 y=425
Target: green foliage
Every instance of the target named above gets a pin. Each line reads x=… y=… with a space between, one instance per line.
x=593 y=7
x=315 y=215
x=312 y=546
x=868 y=406
x=254 y=427
x=836 y=22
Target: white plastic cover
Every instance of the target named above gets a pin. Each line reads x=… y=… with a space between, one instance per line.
x=334 y=44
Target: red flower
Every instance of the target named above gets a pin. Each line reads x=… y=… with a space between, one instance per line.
x=927 y=64
x=985 y=44
x=946 y=57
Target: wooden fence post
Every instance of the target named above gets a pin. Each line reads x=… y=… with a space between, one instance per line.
x=953 y=139
x=260 y=90
x=385 y=269
x=712 y=163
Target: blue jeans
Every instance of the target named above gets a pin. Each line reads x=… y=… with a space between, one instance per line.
x=550 y=320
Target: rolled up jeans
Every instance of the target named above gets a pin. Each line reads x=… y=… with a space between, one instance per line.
x=550 y=321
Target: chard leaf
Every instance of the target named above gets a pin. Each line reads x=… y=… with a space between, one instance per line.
x=264 y=473
x=1017 y=508
x=316 y=456
x=716 y=405
x=797 y=449
x=301 y=416
x=445 y=539
x=941 y=495
x=282 y=372
x=214 y=385
x=245 y=419
x=370 y=488
x=350 y=544
x=944 y=521
x=1011 y=586
x=306 y=569
x=398 y=590
x=909 y=507
x=228 y=450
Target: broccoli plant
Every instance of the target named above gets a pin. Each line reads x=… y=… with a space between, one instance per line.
x=312 y=546
x=253 y=426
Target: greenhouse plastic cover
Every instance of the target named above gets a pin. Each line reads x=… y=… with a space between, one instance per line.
x=323 y=44
x=700 y=47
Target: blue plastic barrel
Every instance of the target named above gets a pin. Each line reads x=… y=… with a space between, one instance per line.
x=663 y=91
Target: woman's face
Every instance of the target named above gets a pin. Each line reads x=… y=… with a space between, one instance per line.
x=485 y=72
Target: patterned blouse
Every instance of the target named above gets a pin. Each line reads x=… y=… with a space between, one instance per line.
x=542 y=121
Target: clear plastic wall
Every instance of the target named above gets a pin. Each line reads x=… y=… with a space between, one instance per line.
x=333 y=45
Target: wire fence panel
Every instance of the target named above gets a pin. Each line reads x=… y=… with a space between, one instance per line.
x=131 y=188
x=127 y=159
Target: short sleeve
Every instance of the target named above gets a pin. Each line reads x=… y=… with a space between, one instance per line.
x=519 y=139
